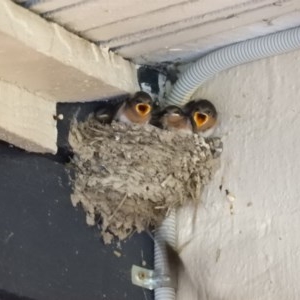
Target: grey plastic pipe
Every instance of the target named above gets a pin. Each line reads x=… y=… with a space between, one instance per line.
x=199 y=72
x=166 y=232
x=230 y=56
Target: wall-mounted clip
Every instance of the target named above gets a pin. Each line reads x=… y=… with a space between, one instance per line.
x=149 y=279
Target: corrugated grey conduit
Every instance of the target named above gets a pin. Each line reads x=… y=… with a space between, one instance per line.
x=166 y=232
x=199 y=72
x=230 y=56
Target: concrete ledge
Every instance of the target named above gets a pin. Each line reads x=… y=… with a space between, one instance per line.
x=41 y=64
x=115 y=74
x=26 y=120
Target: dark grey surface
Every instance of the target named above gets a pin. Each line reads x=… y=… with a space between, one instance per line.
x=47 y=251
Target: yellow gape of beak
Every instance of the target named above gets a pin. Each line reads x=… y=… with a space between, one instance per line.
x=200 y=119
x=143 y=109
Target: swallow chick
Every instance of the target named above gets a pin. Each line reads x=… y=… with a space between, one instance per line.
x=203 y=116
x=173 y=118
x=134 y=110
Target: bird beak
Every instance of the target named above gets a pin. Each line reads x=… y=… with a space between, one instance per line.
x=200 y=119
x=143 y=109
x=174 y=115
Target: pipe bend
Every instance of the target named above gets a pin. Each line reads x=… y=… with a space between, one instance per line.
x=230 y=56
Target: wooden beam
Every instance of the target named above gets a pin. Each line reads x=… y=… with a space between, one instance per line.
x=41 y=63
x=26 y=120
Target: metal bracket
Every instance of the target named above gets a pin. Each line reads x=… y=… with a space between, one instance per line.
x=149 y=279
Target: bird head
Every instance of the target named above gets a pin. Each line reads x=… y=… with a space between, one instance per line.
x=142 y=104
x=173 y=118
x=202 y=113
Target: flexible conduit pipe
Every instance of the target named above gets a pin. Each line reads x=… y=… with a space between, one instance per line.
x=165 y=233
x=230 y=56
x=199 y=72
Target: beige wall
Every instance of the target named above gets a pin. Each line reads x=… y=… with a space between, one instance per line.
x=251 y=251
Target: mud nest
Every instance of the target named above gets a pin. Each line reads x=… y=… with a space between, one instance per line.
x=128 y=177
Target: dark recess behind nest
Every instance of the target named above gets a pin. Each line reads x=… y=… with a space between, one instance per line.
x=149 y=76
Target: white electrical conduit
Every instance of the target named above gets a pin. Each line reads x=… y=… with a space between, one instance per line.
x=230 y=56
x=166 y=233
x=199 y=72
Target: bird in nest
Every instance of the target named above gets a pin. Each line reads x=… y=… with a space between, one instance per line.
x=197 y=116
x=172 y=118
x=134 y=110
x=203 y=116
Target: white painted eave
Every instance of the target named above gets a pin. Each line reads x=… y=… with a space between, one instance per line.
x=50 y=64
x=152 y=32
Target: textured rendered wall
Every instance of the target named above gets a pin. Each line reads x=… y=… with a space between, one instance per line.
x=251 y=250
